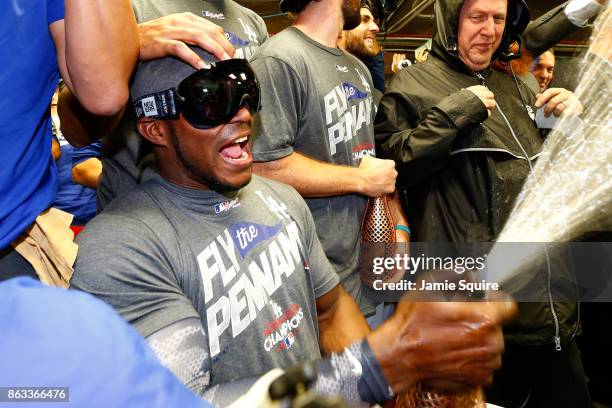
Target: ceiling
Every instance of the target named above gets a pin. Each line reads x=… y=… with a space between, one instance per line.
x=411 y=24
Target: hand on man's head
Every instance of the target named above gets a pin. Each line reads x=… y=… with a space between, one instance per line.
x=170 y=36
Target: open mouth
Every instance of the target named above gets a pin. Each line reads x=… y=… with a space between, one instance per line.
x=237 y=151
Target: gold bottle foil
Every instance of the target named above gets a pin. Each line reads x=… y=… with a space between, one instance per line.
x=423 y=397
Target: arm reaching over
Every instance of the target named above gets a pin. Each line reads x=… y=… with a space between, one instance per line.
x=558 y=23
x=182 y=348
x=97 y=48
x=313 y=178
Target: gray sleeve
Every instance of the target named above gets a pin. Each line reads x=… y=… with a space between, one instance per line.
x=125 y=263
x=182 y=347
x=353 y=374
x=276 y=125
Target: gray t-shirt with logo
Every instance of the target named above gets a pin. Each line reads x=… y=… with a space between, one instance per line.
x=248 y=265
x=245 y=30
x=318 y=101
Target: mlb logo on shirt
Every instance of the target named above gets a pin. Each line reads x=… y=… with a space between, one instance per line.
x=221 y=207
x=289 y=340
x=226 y=205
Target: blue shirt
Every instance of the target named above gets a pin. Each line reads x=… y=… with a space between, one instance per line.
x=66 y=338
x=376 y=65
x=72 y=197
x=28 y=77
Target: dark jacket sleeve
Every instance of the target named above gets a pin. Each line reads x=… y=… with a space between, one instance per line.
x=420 y=141
x=548 y=30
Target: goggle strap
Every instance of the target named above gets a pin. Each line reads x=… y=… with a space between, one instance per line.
x=158 y=105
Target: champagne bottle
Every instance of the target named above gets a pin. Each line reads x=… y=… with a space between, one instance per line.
x=421 y=396
x=377 y=238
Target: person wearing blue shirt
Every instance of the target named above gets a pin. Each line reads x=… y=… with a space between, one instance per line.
x=56 y=338
x=73 y=197
x=94 y=46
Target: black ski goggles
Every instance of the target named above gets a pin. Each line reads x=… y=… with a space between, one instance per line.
x=208 y=97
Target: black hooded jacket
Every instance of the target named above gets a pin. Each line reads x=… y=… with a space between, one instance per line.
x=459 y=170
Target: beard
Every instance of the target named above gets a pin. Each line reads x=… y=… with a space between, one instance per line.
x=356 y=45
x=196 y=174
x=351 y=13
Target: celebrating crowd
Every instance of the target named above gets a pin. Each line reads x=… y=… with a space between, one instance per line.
x=231 y=171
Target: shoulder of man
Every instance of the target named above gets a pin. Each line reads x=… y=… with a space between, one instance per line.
x=246 y=11
x=282 y=46
x=275 y=187
x=356 y=61
x=137 y=205
x=417 y=76
x=280 y=191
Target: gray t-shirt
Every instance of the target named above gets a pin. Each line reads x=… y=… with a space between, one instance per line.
x=249 y=266
x=318 y=101
x=243 y=28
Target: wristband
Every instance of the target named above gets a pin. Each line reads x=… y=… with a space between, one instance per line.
x=402 y=228
x=372 y=386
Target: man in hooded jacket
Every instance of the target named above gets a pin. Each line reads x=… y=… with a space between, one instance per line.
x=464 y=139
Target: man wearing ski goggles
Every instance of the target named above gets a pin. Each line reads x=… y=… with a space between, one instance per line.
x=211 y=106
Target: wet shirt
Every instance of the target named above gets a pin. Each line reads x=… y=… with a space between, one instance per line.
x=318 y=101
x=249 y=266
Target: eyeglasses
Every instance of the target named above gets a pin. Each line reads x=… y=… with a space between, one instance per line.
x=206 y=98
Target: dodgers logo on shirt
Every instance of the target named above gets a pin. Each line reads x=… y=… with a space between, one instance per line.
x=281 y=333
x=352 y=92
x=235 y=40
x=247 y=235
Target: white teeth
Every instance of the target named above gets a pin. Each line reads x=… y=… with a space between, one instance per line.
x=242 y=139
